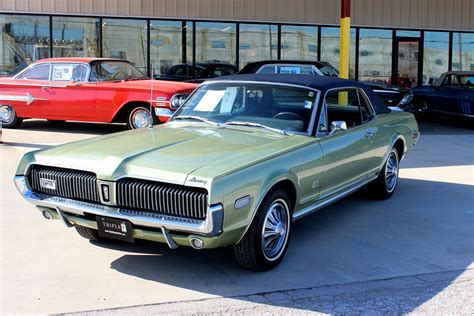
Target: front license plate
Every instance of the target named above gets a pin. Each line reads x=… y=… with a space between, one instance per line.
x=115 y=228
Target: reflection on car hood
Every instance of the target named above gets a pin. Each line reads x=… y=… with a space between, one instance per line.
x=171 y=152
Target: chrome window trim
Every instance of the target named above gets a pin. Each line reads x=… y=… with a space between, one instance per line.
x=321 y=136
x=313 y=113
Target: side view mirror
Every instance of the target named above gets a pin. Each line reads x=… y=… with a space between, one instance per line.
x=337 y=126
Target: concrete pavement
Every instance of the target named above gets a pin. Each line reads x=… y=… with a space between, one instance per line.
x=426 y=228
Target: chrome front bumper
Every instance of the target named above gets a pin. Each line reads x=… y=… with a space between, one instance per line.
x=211 y=226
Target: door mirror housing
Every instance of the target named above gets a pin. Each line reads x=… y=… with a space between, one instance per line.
x=337 y=126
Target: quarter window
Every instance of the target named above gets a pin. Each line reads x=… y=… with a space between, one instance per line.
x=38 y=72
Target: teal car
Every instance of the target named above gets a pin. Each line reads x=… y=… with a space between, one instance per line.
x=236 y=165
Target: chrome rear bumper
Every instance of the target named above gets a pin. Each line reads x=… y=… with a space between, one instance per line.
x=211 y=226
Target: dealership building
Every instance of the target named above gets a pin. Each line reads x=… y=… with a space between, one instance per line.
x=407 y=42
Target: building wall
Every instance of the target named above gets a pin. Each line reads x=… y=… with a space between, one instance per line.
x=424 y=14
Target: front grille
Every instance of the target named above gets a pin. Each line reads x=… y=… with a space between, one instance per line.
x=74 y=184
x=163 y=198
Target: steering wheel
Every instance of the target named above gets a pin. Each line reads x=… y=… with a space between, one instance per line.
x=289 y=114
x=118 y=73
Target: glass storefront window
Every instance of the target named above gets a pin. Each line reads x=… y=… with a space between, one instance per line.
x=463 y=51
x=125 y=39
x=166 y=47
x=404 y=33
x=375 y=55
x=257 y=42
x=330 y=48
x=215 y=42
x=75 y=37
x=435 y=55
x=299 y=42
x=24 y=39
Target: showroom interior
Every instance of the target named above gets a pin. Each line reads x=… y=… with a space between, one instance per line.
x=406 y=43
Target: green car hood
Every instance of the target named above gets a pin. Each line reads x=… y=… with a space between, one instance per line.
x=171 y=152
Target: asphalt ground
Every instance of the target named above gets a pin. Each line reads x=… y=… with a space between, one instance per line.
x=412 y=253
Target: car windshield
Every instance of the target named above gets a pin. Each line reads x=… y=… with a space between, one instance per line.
x=467 y=81
x=255 y=105
x=111 y=70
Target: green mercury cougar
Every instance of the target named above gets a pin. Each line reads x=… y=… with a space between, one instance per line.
x=243 y=158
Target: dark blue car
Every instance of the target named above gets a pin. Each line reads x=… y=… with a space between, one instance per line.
x=452 y=94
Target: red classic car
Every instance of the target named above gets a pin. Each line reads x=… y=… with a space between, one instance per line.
x=88 y=89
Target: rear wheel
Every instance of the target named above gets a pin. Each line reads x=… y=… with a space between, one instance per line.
x=88 y=233
x=386 y=182
x=8 y=116
x=140 y=117
x=266 y=241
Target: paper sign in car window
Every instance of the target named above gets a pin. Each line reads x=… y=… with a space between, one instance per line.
x=209 y=101
x=228 y=100
x=62 y=72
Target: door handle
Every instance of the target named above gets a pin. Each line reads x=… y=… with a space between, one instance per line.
x=369 y=134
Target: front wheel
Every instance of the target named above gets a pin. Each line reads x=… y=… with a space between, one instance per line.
x=140 y=117
x=266 y=241
x=421 y=109
x=88 y=233
x=386 y=182
x=8 y=116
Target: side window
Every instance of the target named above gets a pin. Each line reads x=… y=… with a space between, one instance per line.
x=451 y=81
x=343 y=105
x=68 y=72
x=38 y=72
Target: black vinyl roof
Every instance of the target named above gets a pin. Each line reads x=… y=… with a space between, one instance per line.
x=320 y=83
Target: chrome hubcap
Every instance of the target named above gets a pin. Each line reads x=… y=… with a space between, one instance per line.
x=141 y=118
x=391 y=172
x=275 y=229
x=7 y=114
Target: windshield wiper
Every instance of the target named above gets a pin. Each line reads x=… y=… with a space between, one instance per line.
x=251 y=124
x=197 y=118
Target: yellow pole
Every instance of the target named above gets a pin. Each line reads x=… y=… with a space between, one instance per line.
x=345 y=39
x=344 y=46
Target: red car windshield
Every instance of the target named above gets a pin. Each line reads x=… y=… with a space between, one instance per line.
x=108 y=70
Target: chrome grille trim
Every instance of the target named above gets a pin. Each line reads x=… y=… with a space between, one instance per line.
x=162 y=198
x=74 y=184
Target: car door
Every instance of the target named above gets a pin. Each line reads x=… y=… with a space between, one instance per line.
x=69 y=96
x=448 y=97
x=347 y=152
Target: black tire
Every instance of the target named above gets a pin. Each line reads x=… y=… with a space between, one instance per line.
x=56 y=122
x=381 y=188
x=421 y=110
x=249 y=252
x=144 y=110
x=88 y=233
x=12 y=120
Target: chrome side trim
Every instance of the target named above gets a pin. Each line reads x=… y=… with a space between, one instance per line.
x=28 y=99
x=43 y=85
x=315 y=207
x=211 y=226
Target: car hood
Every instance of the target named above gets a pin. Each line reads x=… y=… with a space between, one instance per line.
x=171 y=152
